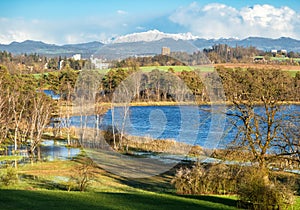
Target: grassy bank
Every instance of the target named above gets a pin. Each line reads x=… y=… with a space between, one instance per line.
x=41 y=186
x=52 y=199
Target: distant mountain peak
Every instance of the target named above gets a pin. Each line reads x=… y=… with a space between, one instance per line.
x=146 y=43
x=153 y=35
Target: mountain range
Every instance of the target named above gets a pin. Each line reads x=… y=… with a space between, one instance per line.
x=146 y=43
x=29 y=46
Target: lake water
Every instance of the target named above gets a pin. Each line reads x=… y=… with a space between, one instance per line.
x=57 y=150
x=197 y=125
x=51 y=150
x=52 y=94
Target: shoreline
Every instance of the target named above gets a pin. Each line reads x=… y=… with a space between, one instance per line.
x=170 y=103
x=102 y=108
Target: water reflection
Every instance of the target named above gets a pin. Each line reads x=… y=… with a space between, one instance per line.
x=49 y=150
x=57 y=150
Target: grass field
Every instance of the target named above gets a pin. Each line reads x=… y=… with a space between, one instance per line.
x=41 y=187
x=53 y=199
x=166 y=68
x=290 y=69
x=293 y=72
x=178 y=68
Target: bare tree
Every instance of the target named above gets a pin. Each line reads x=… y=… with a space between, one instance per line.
x=259 y=112
x=38 y=120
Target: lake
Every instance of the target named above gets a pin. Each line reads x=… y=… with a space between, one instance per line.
x=196 y=125
x=50 y=150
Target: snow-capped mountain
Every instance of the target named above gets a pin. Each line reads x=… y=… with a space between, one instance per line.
x=146 y=43
x=153 y=35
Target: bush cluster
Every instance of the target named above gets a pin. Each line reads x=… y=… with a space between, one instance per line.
x=255 y=192
x=253 y=186
x=207 y=179
x=9 y=176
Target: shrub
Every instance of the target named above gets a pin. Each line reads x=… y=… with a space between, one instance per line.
x=83 y=174
x=255 y=192
x=9 y=176
x=207 y=179
x=253 y=186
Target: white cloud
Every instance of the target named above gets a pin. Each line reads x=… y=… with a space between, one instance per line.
x=219 y=20
x=211 y=21
x=64 y=32
x=122 y=12
x=19 y=29
x=140 y=28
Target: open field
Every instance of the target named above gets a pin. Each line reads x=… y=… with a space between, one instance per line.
x=53 y=199
x=41 y=185
x=291 y=69
x=44 y=185
x=166 y=68
x=177 y=68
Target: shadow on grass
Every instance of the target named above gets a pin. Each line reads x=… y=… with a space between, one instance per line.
x=46 y=199
x=214 y=199
x=159 y=184
x=162 y=184
x=38 y=182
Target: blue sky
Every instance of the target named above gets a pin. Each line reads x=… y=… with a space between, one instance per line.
x=63 y=22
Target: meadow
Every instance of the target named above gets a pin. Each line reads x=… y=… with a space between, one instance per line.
x=44 y=185
x=292 y=70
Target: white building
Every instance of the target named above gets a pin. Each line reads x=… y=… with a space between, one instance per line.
x=283 y=52
x=77 y=57
x=274 y=52
x=99 y=63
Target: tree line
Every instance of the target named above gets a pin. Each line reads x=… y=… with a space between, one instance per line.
x=159 y=85
x=25 y=112
x=35 y=63
x=218 y=53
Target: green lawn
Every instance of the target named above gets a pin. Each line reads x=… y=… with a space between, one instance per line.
x=177 y=68
x=52 y=199
x=279 y=58
x=10 y=158
x=166 y=68
x=41 y=187
x=293 y=72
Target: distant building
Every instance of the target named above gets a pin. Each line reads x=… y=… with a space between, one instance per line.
x=283 y=52
x=77 y=57
x=165 y=51
x=276 y=53
x=99 y=63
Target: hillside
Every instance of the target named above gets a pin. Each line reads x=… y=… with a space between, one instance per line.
x=146 y=43
x=29 y=46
